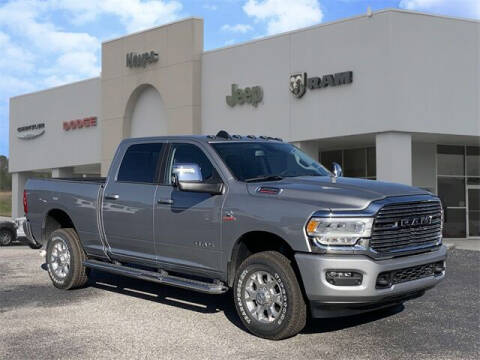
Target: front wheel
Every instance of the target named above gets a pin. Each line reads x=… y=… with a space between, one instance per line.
x=268 y=297
x=65 y=258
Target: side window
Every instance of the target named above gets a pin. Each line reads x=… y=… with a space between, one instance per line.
x=192 y=154
x=140 y=163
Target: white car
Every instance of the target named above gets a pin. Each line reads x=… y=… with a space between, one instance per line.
x=11 y=231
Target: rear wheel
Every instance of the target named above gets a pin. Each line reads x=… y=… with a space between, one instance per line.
x=65 y=259
x=268 y=297
x=6 y=237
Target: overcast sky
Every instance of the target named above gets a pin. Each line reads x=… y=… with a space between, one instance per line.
x=45 y=43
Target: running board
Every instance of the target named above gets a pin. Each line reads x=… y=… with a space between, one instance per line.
x=161 y=277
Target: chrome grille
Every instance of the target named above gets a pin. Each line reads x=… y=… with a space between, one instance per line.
x=404 y=227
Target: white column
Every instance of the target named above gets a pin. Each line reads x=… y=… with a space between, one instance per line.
x=18 y=185
x=394 y=157
x=309 y=147
x=62 y=172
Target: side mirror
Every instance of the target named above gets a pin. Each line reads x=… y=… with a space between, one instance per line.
x=188 y=177
x=337 y=169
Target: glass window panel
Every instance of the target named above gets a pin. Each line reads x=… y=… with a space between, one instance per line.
x=474 y=212
x=139 y=163
x=451 y=160
x=473 y=160
x=192 y=154
x=354 y=163
x=473 y=181
x=371 y=162
x=452 y=191
x=454 y=226
x=327 y=157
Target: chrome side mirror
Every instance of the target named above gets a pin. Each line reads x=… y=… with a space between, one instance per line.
x=337 y=169
x=187 y=172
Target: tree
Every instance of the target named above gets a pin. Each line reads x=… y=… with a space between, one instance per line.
x=5 y=177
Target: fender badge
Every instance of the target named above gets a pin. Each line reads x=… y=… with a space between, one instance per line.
x=229 y=216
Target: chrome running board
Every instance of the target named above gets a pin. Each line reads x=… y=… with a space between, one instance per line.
x=162 y=277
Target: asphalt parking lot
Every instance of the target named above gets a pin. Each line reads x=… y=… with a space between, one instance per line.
x=115 y=317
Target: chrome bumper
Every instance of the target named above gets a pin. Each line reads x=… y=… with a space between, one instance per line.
x=313 y=268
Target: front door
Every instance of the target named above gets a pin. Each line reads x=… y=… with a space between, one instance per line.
x=128 y=203
x=473 y=206
x=188 y=224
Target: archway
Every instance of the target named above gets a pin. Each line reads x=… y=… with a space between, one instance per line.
x=145 y=113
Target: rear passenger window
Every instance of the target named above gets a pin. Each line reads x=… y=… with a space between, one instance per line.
x=140 y=163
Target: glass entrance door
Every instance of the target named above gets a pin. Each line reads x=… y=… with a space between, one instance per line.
x=473 y=206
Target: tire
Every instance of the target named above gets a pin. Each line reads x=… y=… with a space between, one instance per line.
x=6 y=237
x=276 y=309
x=64 y=249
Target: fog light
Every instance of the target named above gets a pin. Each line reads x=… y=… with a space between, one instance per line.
x=343 y=278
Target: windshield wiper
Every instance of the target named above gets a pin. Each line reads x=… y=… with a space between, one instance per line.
x=265 y=178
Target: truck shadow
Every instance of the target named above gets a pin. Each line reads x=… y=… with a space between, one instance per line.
x=205 y=303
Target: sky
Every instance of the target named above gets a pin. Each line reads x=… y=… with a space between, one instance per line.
x=46 y=43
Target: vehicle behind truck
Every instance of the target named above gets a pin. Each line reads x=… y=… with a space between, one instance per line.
x=251 y=214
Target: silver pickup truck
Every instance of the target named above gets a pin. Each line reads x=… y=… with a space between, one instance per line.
x=251 y=214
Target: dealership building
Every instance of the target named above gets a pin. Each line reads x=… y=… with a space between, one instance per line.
x=392 y=96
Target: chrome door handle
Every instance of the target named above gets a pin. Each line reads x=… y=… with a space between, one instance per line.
x=165 y=201
x=112 y=196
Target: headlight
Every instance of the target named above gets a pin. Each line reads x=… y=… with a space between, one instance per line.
x=338 y=231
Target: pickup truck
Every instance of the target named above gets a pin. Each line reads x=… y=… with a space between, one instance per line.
x=252 y=214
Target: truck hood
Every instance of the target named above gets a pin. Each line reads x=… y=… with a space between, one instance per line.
x=332 y=193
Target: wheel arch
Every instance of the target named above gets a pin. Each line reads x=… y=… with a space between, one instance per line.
x=56 y=219
x=256 y=241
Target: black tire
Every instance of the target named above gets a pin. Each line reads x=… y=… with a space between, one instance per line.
x=6 y=237
x=292 y=315
x=76 y=275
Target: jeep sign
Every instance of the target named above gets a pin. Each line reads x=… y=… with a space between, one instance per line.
x=141 y=60
x=250 y=95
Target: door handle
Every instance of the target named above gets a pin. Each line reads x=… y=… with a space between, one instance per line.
x=112 y=196
x=165 y=201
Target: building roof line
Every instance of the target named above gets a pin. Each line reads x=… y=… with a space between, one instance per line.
x=339 y=21
x=152 y=28
x=55 y=87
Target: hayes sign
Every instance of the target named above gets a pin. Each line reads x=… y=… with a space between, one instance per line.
x=252 y=95
x=300 y=82
x=141 y=60
x=80 y=123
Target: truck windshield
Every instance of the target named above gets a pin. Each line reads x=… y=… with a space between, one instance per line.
x=257 y=161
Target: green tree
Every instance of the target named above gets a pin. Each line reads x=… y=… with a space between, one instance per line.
x=5 y=177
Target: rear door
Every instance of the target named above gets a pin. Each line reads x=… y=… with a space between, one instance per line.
x=128 y=203
x=188 y=224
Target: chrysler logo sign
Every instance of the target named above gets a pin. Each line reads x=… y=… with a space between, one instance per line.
x=135 y=60
x=300 y=82
x=31 y=131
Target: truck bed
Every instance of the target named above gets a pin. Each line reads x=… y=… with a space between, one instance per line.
x=77 y=197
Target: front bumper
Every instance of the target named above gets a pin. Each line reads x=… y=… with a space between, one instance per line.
x=330 y=300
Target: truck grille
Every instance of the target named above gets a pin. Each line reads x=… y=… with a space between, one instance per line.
x=405 y=227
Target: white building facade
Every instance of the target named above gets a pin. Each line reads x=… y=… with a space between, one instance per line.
x=393 y=96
